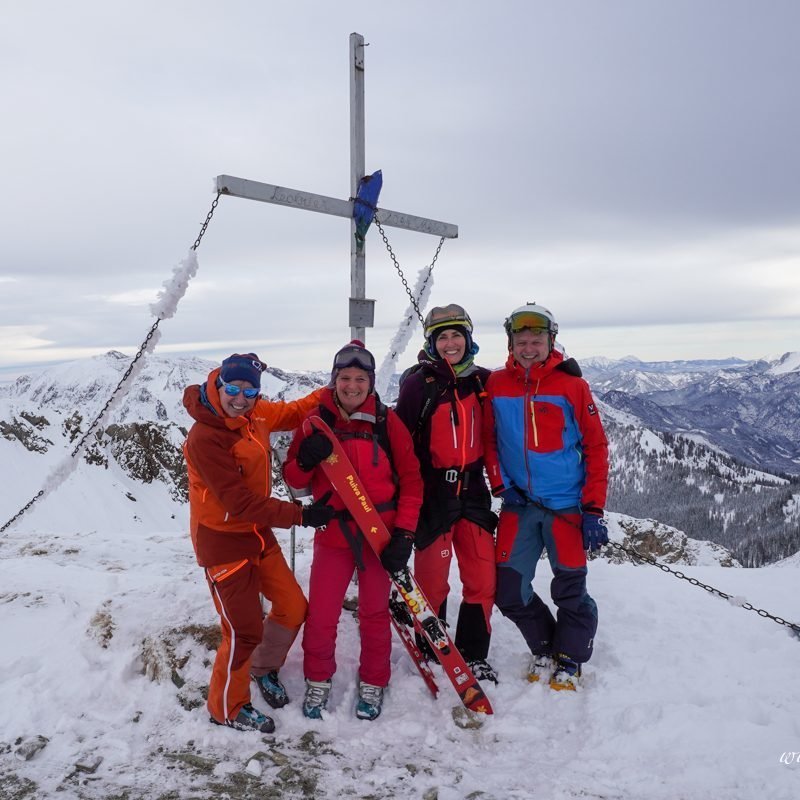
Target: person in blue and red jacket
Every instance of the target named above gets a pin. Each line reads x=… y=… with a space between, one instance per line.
x=547 y=458
x=380 y=449
x=440 y=403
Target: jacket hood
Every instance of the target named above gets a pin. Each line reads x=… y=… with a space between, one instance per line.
x=203 y=404
x=555 y=361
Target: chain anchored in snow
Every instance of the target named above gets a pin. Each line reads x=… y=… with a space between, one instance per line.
x=163 y=309
x=664 y=568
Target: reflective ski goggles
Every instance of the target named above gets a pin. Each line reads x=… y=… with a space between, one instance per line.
x=354 y=357
x=529 y=319
x=234 y=391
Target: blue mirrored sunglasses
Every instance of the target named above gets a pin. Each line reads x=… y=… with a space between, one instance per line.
x=235 y=390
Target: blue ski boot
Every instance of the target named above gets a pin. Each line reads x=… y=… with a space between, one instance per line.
x=316 y=698
x=249 y=719
x=272 y=690
x=370 y=701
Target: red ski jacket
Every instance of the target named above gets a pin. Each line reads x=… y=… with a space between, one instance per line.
x=387 y=480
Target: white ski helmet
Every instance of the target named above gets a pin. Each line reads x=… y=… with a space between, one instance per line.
x=531 y=315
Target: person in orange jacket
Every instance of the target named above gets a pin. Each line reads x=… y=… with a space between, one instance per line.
x=232 y=514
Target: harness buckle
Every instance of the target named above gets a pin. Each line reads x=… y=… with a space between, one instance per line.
x=451 y=475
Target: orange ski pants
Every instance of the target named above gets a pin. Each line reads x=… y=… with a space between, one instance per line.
x=251 y=641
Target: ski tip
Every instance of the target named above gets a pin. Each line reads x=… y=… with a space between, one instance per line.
x=475 y=700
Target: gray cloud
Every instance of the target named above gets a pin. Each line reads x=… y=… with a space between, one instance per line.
x=626 y=163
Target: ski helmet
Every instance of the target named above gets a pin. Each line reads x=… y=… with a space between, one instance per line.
x=450 y=317
x=533 y=317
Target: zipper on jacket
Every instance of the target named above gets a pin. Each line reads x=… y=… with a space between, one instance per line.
x=525 y=434
x=464 y=434
x=472 y=430
x=267 y=462
x=533 y=414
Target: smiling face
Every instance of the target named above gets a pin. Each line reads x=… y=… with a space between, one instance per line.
x=236 y=405
x=451 y=345
x=352 y=388
x=530 y=346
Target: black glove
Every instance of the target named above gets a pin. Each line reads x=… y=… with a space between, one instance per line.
x=318 y=514
x=316 y=447
x=396 y=554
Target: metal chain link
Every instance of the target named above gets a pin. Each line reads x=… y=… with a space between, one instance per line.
x=96 y=421
x=24 y=508
x=205 y=224
x=664 y=568
x=678 y=574
x=414 y=301
x=141 y=351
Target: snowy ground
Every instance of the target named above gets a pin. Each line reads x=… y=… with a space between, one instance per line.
x=687 y=696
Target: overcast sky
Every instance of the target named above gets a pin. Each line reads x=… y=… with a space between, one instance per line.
x=631 y=165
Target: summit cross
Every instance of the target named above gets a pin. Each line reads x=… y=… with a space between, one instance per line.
x=361 y=310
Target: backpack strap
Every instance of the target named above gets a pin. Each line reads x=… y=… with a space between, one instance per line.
x=432 y=391
x=379 y=436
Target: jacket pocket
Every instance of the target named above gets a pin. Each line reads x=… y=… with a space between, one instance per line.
x=545 y=426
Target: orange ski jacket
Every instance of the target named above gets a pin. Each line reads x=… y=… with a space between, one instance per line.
x=230 y=474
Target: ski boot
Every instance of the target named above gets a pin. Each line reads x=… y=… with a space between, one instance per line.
x=272 y=690
x=249 y=719
x=483 y=670
x=541 y=667
x=567 y=675
x=370 y=701
x=316 y=698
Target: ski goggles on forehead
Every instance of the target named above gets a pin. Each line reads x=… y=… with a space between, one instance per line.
x=354 y=357
x=234 y=391
x=538 y=323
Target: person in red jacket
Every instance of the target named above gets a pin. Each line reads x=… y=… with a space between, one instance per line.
x=392 y=480
x=440 y=403
x=547 y=457
x=232 y=514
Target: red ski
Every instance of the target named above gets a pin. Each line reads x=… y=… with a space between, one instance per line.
x=403 y=624
x=346 y=484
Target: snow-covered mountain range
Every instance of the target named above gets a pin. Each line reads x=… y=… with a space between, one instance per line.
x=680 y=479
x=750 y=409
